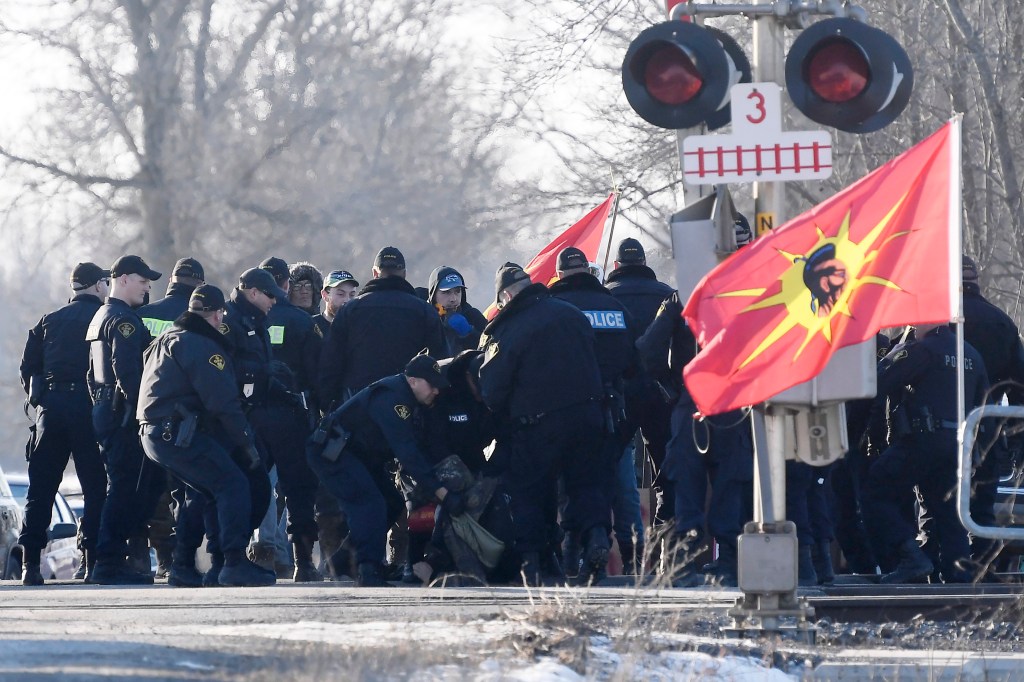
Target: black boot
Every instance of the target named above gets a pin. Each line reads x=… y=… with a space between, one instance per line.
x=31 y=575
x=238 y=571
x=115 y=571
x=139 y=560
x=342 y=563
x=679 y=559
x=914 y=565
x=821 y=555
x=184 y=574
x=595 y=555
x=82 y=567
x=305 y=571
x=216 y=564
x=806 y=575
x=531 y=569
x=88 y=564
x=370 y=574
x=726 y=572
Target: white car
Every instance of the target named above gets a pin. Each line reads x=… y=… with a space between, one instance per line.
x=61 y=557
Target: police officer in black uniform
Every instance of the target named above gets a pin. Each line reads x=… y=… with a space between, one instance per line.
x=615 y=336
x=459 y=422
x=375 y=335
x=541 y=378
x=461 y=322
x=715 y=450
x=638 y=288
x=382 y=423
x=117 y=340
x=159 y=317
x=53 y=369
x=284 y=425
x=193 y=425
x=919 y=377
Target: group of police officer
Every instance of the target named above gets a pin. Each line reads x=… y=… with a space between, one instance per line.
x=360 y=409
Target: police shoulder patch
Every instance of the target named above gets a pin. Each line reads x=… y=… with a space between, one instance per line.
x=126 y=329
x=491 y=349
x=223 y=328
x=900 y=355
x=217 y=360
x=403 y=411
x=882 y=352
x=317 y=331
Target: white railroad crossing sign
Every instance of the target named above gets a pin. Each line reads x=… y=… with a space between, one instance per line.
x=758 y=150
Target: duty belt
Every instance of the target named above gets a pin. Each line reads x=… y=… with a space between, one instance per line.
x=67 y=386
x=101 y=393
x=932 y=425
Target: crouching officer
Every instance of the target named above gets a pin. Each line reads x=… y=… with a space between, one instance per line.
x=192 y=425
x=354 y=446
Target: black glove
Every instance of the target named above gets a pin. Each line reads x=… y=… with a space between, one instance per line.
x=454 y=503
x=248 y=457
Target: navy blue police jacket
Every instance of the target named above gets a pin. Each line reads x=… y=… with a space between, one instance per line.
x=56 y=349
x=375 y=335
x=117 y=338
x=385 y=422
x=668 y=345
x=538 y=357
x=995 y=336
x=639 y=289
x=928 y=365
x=190 y=366
x=246 y=328
x=160 y=315
x=295 y=342
x=458 y=424
x=615 y=332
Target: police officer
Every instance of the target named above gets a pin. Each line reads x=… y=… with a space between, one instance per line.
x=459 y=422
x=375 y=335
x=714 y=450
x=193 y=425
x=461 y=322
x=614 y=344
x=541 y=378
x=636 y=285
x=284 y=425
x=158 y=317
x=340 y=287
x=995 y=336
x=117 y=339
x=382 y=423
x=53 y=369
x=919 y=377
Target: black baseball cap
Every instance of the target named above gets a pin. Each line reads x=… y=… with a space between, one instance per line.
x=507 y=275
x=970 y=269
x=389 y=258
x=205 y=298
x=276 y=267
x=426 y=367
x=188 y=267
x=570 y=258
x=133 y=265
x=630 y=252
x=257 y=278
x=336 y=277
x=86 y=274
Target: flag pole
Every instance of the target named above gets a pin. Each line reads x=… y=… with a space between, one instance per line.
x=611 y=229
x=956 y=260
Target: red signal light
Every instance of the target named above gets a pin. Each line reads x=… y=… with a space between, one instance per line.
x=838 y=71
x=671 y=77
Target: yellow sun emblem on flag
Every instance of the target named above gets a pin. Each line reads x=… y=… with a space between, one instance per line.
x=821 y=284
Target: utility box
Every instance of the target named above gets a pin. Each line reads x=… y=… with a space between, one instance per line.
x=703 y=234
x=850 y=374
x=768 y=562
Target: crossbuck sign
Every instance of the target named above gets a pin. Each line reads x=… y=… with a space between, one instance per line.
x=758 y=150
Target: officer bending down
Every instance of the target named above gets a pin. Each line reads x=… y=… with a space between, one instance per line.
x=188 y=378
x=382 y=423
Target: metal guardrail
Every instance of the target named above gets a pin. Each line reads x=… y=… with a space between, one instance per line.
x=967 y=436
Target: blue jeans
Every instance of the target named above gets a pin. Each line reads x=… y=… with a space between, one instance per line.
x=627 y=520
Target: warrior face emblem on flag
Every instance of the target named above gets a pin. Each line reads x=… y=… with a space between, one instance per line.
x=821 y=286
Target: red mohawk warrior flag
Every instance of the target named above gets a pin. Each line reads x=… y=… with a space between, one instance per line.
x=585 y=235
x=883 y=252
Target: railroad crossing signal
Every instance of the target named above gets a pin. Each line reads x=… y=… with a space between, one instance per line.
x=840 y=73
x=757 y=150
